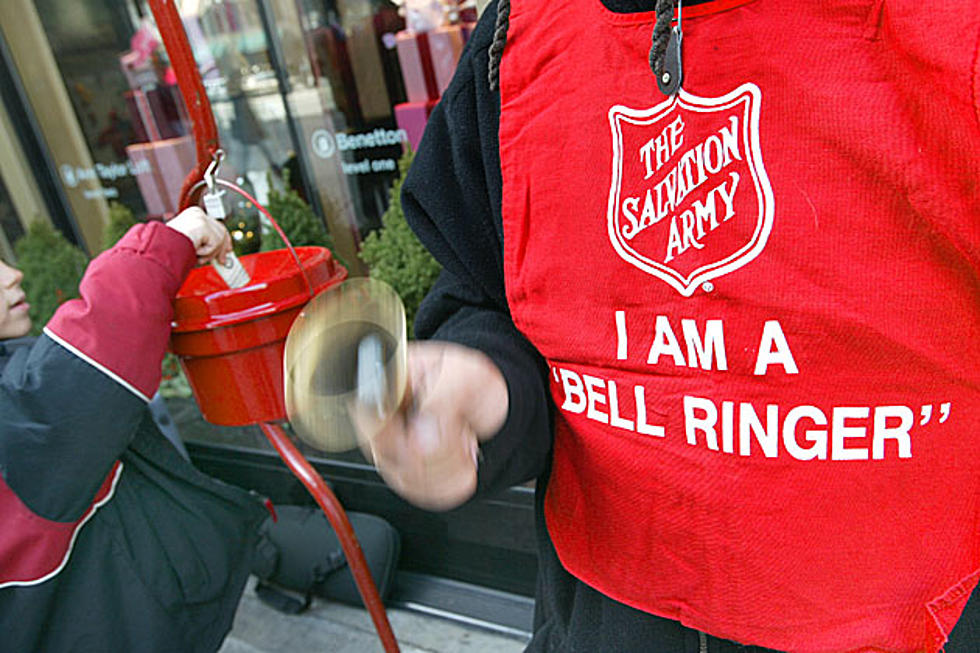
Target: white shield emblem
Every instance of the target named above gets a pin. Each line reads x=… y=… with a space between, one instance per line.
x=689 y=200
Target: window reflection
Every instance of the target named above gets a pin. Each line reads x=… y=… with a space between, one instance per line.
x=305 y=93
x=10 y=224
x=320 y=118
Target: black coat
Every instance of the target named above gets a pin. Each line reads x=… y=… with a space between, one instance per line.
x=109 y=539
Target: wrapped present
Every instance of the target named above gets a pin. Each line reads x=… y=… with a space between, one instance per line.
x=138 y=69
x=167 y=109
x=445 y=46
x=157 y=113
x=416 y=64
x=141 y=115
x=412 y=116
x=161 y=168
x=146 y=181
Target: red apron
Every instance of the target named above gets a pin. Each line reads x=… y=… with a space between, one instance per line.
x=759 y=301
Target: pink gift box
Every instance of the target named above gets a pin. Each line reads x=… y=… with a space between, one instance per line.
x=145 y=180
x=156 y=114
x=416 y=64
x=141 y=115
x=138 y=69
x=160 y=179
x=167 y=107
x=445 y=46
x=412 y=117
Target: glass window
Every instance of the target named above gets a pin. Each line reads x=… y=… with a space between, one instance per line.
x=302 y=92
x=305 y=95
x=10 y=226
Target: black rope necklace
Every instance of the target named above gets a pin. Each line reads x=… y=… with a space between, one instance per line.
x=665 y=51
x=499 y=41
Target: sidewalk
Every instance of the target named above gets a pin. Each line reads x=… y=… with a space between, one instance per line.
x=336 y=628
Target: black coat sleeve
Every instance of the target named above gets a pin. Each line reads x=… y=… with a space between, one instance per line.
x=452 y=200
x=71 y=402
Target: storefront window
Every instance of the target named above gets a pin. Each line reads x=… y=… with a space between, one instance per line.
x=302 y=92
x=308 y=96
x=10 y=226
x=351 y=45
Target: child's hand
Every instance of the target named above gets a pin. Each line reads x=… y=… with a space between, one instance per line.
x=209 y=237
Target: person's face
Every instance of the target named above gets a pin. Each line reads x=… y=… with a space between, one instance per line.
x=14 y=320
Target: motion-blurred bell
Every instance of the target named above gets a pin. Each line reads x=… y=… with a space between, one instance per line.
x=345 y=364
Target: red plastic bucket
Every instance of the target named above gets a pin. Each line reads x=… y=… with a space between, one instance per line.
x=230 y=340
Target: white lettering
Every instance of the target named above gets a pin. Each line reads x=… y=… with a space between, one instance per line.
x=641 y=415
x=711 y=348
x=749 y=425
x=593 y=387
x=614 y=416
x=380 y=137
x=665 y=342
x=574 y=391
x=700 y=220
x=774 y=350
x=899 y=432
x=630 y=205
x=584 y=394
x=662 y=146
x=840 y=431
x=621 y=335
x=818 y=437
x=705 y=423
x=728 y=197
x=805 y=433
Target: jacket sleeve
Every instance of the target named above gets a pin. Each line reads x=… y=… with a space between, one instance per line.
x=70 y=403
x=452 y=200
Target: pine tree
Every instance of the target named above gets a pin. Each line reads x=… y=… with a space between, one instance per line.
x=394 y=254
x=52 y=269
x=121 y=220
x=297 y=220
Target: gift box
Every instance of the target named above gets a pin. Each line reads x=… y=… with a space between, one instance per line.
x=146 y=181
x=412 y=116
x=416 y=63
x=167 y=109
x=138 y=70
x=157 y=114
x=161 y=168
x=445 y=46
x=141 y=115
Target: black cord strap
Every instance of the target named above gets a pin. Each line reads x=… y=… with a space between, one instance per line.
x=665 y=50
x=499 y=41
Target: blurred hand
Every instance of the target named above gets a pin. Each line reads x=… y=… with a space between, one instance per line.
x=209 y=237
x=428 y=451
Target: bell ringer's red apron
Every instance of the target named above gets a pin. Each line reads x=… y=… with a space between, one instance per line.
x=759 y=301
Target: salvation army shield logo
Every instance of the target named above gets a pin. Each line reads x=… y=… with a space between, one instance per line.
x=689 y=200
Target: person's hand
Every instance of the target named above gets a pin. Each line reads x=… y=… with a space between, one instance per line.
x=428 y=452
x=209 y=237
